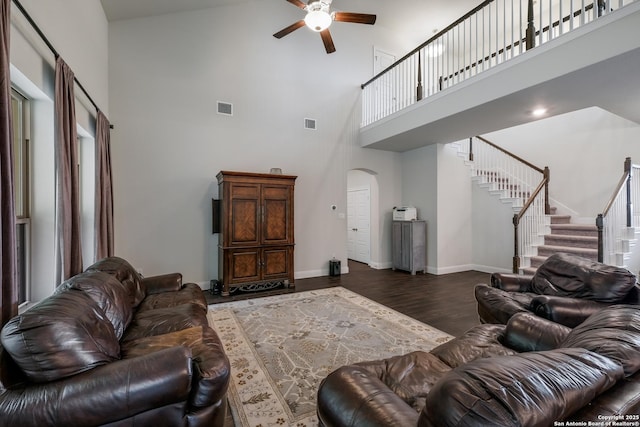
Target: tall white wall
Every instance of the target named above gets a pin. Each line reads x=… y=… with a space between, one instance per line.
x=166 y=74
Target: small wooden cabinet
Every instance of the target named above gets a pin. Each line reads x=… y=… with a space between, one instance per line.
x=409 y=245
x=255 y=249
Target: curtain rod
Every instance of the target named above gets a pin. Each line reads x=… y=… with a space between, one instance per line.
x=53 y=50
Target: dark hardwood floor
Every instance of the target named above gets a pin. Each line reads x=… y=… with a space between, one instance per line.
x=445 y=301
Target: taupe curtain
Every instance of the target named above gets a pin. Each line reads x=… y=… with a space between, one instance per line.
x=8 y=254
x=68 y=246
x=104 y=190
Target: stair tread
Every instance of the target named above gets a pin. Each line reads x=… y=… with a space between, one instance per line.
x=575 y=226
x=568 y=249
x=572 y=237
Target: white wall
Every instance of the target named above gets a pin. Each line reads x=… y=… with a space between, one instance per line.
x=585 y=152
x=454 y=224
x=437 y=183
x=419 y=189
x=166 y=74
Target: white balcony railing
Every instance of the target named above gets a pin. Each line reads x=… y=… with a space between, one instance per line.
x=492 y=33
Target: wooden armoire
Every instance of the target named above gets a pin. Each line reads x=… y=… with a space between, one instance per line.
x=256 y=243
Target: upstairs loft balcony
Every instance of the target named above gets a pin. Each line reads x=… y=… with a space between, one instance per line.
x=476 y=89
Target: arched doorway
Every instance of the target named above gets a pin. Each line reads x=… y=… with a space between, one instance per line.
x=362 y=216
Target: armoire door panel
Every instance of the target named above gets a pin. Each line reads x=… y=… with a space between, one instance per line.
x=275 y=221
x=276 y=262
x=244 y=265
x=244 y=222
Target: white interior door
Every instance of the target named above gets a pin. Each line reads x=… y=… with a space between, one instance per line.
x=359 y=225
x=382 y=86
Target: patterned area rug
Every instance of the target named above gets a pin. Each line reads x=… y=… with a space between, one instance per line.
x=281 y=347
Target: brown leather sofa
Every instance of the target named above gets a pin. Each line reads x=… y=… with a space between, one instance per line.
x=112 y=348
x=565 y=289
x=530 y=372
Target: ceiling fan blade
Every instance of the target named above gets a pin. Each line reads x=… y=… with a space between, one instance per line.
x=327 y=40
x=291 y=28
x=297 y=3
x=357 y=18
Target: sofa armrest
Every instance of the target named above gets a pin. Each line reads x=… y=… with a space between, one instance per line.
x=565 y=310
x=528 y=332
x=511 y=282
x=162 y=283
x=354 y=396
x=104 y=394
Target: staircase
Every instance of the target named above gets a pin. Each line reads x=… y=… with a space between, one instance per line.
x=556 y=233
x=578 y=239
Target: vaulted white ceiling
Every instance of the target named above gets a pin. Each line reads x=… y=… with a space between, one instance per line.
x=416 y=20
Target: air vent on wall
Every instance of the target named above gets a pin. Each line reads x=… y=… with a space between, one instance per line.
x=310 y=124
x=225 y=108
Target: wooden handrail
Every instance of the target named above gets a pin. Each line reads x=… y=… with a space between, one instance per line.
x=517 y=217
x=432 y=39
x=544 y=184
x=520 y=159
x=624 y=179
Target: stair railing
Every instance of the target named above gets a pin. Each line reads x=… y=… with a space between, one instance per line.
x=493 y=32
x=618 y=216
x=518 y=179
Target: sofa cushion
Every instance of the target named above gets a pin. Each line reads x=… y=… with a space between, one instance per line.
x=108 y=292
x=410 y=376
x=569 y=275
x=613 y=332
x=188 y=293
x=478 y=342
x=529 y=389
x=165 y=320
x=125 y=273
x=61 y=336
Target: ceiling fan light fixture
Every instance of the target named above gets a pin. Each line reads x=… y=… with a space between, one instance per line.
x=318 y=20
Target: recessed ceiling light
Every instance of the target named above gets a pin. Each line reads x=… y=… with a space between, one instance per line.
x=539 y=112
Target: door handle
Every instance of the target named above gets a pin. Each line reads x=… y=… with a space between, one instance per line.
x=354 y=229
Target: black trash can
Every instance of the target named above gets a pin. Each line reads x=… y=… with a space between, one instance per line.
x=334 y=267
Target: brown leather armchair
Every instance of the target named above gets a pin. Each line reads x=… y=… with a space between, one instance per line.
x=565 y=289
x=530 y=372
x=111 y=348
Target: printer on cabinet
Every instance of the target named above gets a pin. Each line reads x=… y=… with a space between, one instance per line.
x=405 y=213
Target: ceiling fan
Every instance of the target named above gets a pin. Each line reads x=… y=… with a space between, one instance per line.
x=319 y=18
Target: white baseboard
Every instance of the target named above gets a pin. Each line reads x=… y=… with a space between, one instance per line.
x=466 y=267
x=489 y=269
x=344 y=269
x=381 y=265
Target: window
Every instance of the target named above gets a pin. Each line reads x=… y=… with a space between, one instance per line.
x=21 y=120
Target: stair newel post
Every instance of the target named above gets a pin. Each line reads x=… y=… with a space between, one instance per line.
x=530 y=36
x=547 y=205
x=419 y=87
x=516 y=254
x=627 y=170
x=471 y=149
x=600 y=226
